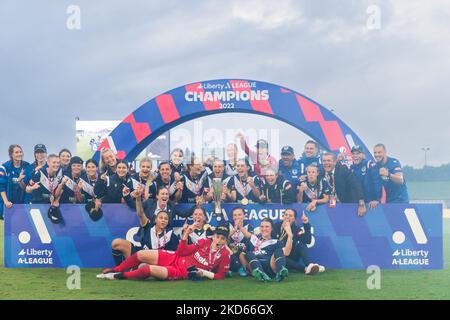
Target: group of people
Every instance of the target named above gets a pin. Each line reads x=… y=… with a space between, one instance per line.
x=203 y=250
x=258 y=178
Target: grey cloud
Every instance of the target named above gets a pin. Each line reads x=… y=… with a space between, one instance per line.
x=388 y=85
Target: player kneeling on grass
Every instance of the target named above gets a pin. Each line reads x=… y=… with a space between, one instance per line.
x=266 y=257
x=210 y=258
x=155 y=235
x=298 y=259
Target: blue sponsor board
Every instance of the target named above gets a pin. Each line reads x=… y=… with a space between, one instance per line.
x=395 y=236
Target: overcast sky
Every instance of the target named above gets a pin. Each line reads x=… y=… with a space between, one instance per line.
x=389 y=85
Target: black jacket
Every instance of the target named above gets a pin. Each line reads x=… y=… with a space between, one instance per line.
x=348 y=188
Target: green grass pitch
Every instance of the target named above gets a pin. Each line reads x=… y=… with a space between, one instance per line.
x=333 y=284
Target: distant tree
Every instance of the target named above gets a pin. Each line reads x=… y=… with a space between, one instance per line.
x=428 y=173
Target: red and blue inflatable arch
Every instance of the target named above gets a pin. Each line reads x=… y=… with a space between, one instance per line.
x=204 y=98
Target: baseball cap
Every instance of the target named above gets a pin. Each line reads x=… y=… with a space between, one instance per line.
x=356 y=149
x=223 y=229
x=261 y=143
x=287 y=150
x=40 y=148
x=76 y=160
x=94 y=214
x=54 y=214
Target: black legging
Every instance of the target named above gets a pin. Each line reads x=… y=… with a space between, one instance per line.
x=254 y=262
x=299 y=252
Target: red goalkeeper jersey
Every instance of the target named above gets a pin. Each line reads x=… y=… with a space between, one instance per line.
x=201 y=256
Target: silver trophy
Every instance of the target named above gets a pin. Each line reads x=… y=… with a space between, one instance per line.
x=217 y=196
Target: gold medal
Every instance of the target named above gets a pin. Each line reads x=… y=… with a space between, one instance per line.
x=244 y=201
x=206 y=227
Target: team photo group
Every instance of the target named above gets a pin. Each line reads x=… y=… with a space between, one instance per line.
x=203 y=250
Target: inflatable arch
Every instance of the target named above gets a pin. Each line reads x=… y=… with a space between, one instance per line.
x=204 y=98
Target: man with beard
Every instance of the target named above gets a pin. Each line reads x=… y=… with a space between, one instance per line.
x=390 y=172
x=288 y=166
x=310 y=157
x=367 y=175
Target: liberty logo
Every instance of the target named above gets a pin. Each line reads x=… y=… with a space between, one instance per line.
x=407 y=256
x=41 y=229
x=413 y=220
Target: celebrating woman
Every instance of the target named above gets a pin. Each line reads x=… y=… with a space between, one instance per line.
x=110 y=189
x=155 y=235
x=192 y=182
x=12 y=175
x=165 y=179
x=40 y=159
x=276 y=189
x=176 y=161
x=210 y=258
x=230 y=164
x=108 y=162
x=143 y=178
x=313 y=191
x=244 y=188
x=200 y=230
x=298 y=259
x=64 y=159
x=237 y=241
x=265 y=256
x=69 y=190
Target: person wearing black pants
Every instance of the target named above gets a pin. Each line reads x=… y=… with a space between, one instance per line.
x=299 y=258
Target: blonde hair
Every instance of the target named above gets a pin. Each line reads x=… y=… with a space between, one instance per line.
x=146 y=159
x=102 y=164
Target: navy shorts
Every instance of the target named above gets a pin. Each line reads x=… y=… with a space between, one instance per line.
x=135 y=249
x=266 y=267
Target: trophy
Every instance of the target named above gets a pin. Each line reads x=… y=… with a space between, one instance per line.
x=217 y=196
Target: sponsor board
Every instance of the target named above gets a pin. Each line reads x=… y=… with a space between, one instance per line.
x=395 y=236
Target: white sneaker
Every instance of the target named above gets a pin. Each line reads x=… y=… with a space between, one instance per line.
x=321 y=269
x=312 y=269
x=108 y=276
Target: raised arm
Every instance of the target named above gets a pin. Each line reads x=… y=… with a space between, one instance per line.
x=140 y=211
x=288 y=247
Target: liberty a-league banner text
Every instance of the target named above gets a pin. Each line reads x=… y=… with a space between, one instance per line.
x=395 y=236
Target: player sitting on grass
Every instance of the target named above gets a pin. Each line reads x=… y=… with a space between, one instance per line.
x=210 y=258
x=298 y=259
x=266 y=257
x=155 y=235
